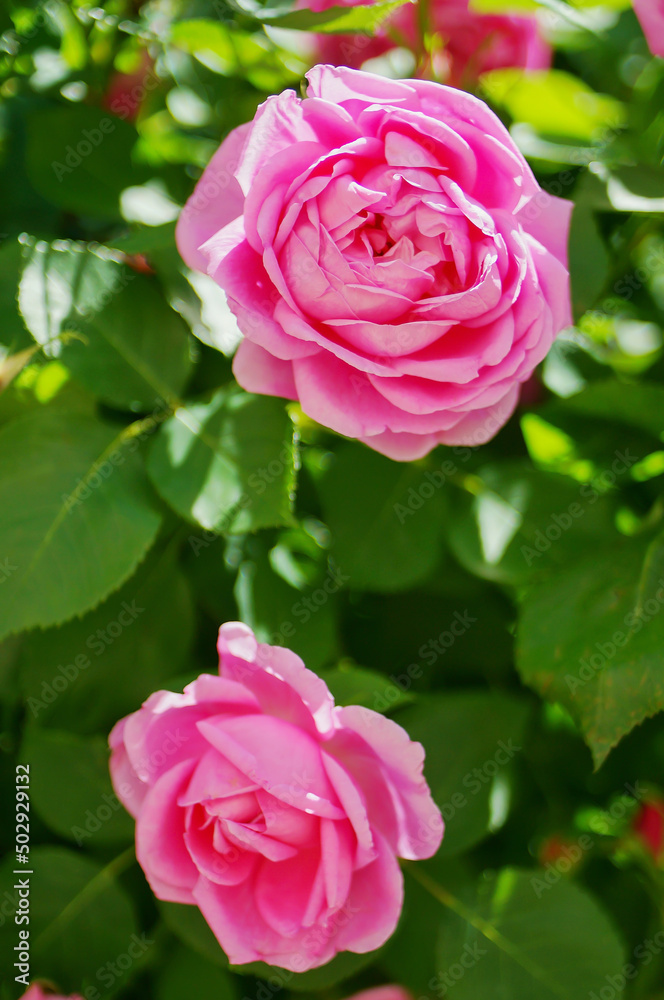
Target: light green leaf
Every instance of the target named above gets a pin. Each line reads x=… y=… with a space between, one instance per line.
x=227 y=465
x=131 y=349
x=76 y=516
x=553 y=102
x=362 y=19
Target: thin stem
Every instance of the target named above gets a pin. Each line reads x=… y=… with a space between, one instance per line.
x=96 y=884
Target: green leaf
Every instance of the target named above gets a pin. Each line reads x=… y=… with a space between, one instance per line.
x=12 y=329
x=513 y=940
x=623 y=189
x=470 y=739
x=90 y=672
x=189 y=924
x=76 y=516
x=186 y=973
x=553 y=102
x=592 y=638
x=519 y=521
x=635 y=404
x=80 y=918
x=364 y=19
x=352 y=685
x=227 y=465
x=303 y=620
x=204 y=35
x=84 y=806
x=82 y=143
x=380 y=539
x=588 y=260
x=131 y=349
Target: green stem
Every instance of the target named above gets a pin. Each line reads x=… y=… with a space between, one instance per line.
x=483 y=927
x=100 y=881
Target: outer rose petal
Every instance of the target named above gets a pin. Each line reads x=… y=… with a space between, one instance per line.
x=390 y=992
x=278 y=677
x=35 y=992
x=651 y=15
x=421 y=825
x=218 y=200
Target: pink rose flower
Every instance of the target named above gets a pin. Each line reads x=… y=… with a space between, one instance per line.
x=278 y=814
x=390 y=992
x=473 y=43
x=651 y=15
x=391 y=260
x=36 y=992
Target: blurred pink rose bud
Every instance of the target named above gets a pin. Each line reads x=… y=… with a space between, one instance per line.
x=127 y=91
x=389 y=992
x=392 y=262
x=37 y=992
x=278 y=814
x=472 y=43
x=651 y=15
x=648 y=826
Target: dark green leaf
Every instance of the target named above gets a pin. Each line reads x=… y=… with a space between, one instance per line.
x=303 y=620
x=358 y=686
x=76 y=516
x=381 y=539
x=84 y=806
x=517 y=941
x=80 y=920
x=588 y=260
x=88 y=673
x=470 y=738
x=82 y=142
x=592 y=637
x=520 y=521
x=186 y=973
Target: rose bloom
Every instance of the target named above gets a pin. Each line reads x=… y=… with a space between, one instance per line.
x=651 y=15
x=471 y=43
x=278 y=814
x=37 y=992
x=390 y=258
x=390 y=992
